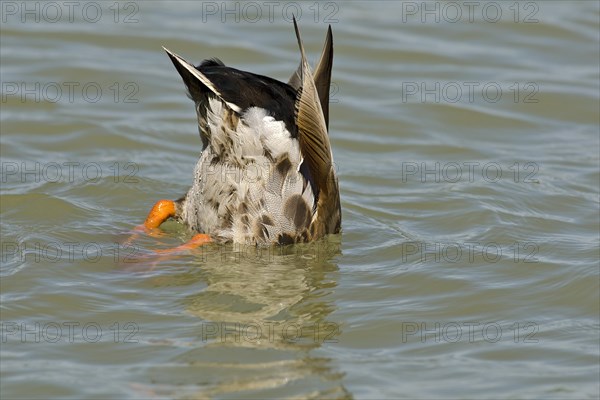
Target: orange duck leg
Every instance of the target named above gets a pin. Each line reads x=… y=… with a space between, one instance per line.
x=160 y=212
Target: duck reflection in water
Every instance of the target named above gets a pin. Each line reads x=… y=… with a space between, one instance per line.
x=261 y=317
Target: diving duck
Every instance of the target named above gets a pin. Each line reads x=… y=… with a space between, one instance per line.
x=266 y=173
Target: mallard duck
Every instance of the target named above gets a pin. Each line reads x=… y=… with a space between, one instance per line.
x=265 y=174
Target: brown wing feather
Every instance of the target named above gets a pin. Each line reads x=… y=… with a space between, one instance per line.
x=312 y=129
x=322 y=76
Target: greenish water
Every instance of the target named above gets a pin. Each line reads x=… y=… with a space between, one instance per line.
x=466 y=138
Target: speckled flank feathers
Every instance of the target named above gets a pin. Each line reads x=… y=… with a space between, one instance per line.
x=265 y=174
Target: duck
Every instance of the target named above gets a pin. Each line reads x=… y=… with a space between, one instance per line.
x=265 y=174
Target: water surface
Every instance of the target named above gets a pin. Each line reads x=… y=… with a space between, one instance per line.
x=466 y=143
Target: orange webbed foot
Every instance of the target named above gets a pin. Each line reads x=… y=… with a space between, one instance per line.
x=160 y=212
x=197 y=240
x=150 y=261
